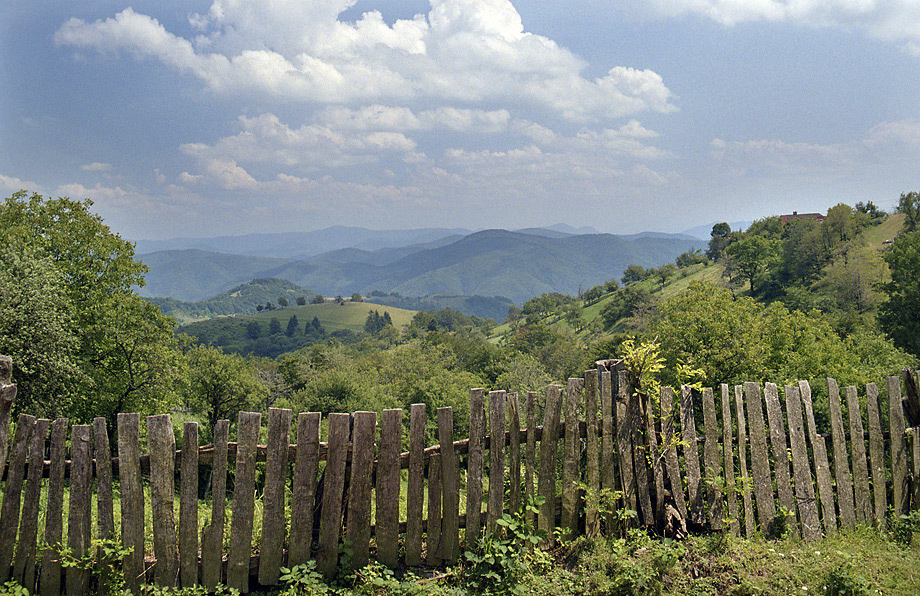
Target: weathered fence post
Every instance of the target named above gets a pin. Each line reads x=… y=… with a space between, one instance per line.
x=24 y=565
x=305 y=469
x=728 y=459
x=572 y=457
x=669 y=442
x=279 y=439
x=132 y=498
x=711 y=460
x=79 y=515
x=530 y=453
x=212 y=538
x=327 y=556
x=760 y=460
x=450 y=482
x=822 y=469
x=547 y=477
x=900 y=498
x=358 y=525
x=247 y=437
x=858 y=454
x=497 y=407
x=780 y=456
x=742 y=462
x=188 y=506
x=514 y=453
x=474 y=468
x=691 y=454
x=592 y=470
x=841 y=462
x=387 y=490
x=162 y=494
x=876 y=454
x=50 y=580
x=415 y=491
x=804 y=487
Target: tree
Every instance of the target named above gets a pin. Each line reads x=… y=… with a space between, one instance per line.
x=909 y=205
x=259 y=308
x=899 y=314
x=253 y=330
x=274 y=326
x=220 y=385
x=301 y=300
x=634 y=273
x=356 y=297
x=719 y=238
x=282 y=302
x=292 y=327
x=754 y=255
x=318 y=299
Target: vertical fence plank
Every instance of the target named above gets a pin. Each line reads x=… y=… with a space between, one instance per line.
x=12 y=494
x=387 y=526
x=433 y=535
x=132 y=498
x=742 y=463
x=531 y=453
x=547 y=477
x=669 y=442
x=514 y=453
x=450 y=482
x=624 y=443
x=247 y=437
x=691 y=454
x=592 y=471
x=841 y=462
x=636 y=411
x=416 y=488
x=822 y=469
x=915 y=485
x=654 y=458
x=712 y=461
x=497 y=407
x=50 y=580
x=304 y=488
x=7 y=395
x=571 y=461
x=212 y=538
x=876 y=454
x=162 y=443
x=858 y=456
x=896 y=427
x=474 y=468
x=358 y=525
x=330 y=524
x=188 y=506
x=804 y=486
x=273 y=505
x=608 y=461
x=760 y=460
x=79 y=514
x=728 y=459
x=780 y=455
x=24 y=564
x=105 y=522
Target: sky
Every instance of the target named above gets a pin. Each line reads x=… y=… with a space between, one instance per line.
x=222 y=117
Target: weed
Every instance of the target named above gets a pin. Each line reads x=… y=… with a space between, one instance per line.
x=842 y=582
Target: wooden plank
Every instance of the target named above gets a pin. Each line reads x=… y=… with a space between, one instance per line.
x=822 y=469
x=547 y=477
x=79 y=514
x=780 y=456
x=330 y=523
x=915 y=485
x=624 y=444
x=896 y=426
x=24 y=563
x=105 y=519
x=635 y=412
x=592 y=469
x=742 y=463
x=416 y=487
x=212 y=539
x=801 y=469
x=162 y=443
x=571 y=461
x=608 y=457
x=7 y=395
x=433 y=526
x=530 y=454
x=691 y=452
x=841 y=463
x=712 y=461
x=273 y=502
x=858 y=457
x=132 y=498
x=50 y=580
x=243 y=508
x=669 y=442
x=358 y=525
x=188 y=506
x=728 y=459
x=497 y=406
x=450 y=482
x=514 y=453
x=12 y=494
x=304 y=488
x=876 y=455
x=655 y=458
x=760 y=460
x=387 y=490
x=474 y=468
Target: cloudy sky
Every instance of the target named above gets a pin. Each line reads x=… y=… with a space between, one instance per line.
x=214 y=117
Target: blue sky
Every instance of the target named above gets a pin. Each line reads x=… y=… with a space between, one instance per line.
x=205 y=118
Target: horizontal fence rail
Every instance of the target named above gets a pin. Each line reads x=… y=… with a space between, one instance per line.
x=744 y=459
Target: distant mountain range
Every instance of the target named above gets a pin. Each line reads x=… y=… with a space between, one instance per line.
x=515 y=265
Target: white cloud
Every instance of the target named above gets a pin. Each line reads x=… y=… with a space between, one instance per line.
x=461 y=51
x=11 y=183
x=892 y=21
x=96 y=167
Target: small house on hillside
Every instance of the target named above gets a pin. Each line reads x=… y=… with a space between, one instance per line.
x=797 y=215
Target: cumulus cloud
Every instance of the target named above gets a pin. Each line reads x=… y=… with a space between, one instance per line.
x=460 y=51
x=11 y=183
x=893 y=21
x=96 y=167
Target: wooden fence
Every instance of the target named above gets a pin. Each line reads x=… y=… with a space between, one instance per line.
x=595 y=436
